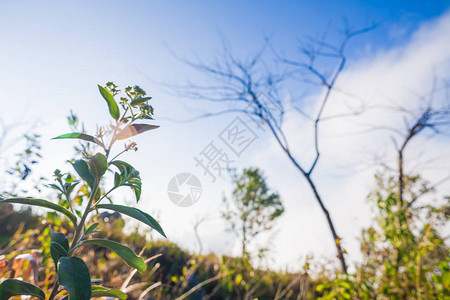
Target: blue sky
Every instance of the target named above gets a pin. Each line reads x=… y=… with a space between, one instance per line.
x=53 y=54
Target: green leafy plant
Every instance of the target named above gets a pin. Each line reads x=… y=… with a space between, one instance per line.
x=255 y=207
x=73 y=275
x=404 y=255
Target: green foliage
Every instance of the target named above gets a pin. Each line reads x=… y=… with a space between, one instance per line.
x=97 y=165
x=99 y=291
x=13 y=287
x=128 y=176
x=81 y=136
x=134 y=213
x=82 y=168
x=73 y=273
x=42 y=203
x=255 y=209
x=65 y=188
x=176 y=269
x=59 y=246
x=112 y=105
x=126 y=253
x=91 y=229
x=404 y=257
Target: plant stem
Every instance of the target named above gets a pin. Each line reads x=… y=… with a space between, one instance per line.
x=117 y=156
x=78 y=232
x=125 y=111
x=80 y=226
x=54 y=291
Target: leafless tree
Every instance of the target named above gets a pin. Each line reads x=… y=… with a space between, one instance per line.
x=247 y=84
x=199 y=220
x=431 y=118
x=428 y=117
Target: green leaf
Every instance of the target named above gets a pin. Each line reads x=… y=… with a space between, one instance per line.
x=134 y=213
x=97 y=165
x=123 y=166
x=128 y=176
x=59 y=246
x=59 y=238
x=116 y=179
x=70 y=188
x=134 y=129
x=42 y=203
x=91 y=229
x=346 y=295
x=112 y=105
x=123 y=251
x=320 y=288
x=100 y=291
x=140 y=101
x=73 y=275
x=446 y=280
x=345 y=285
x=57 y=251
x=135 y=185
x=82 y=169
x=56 y=187
x=13 y=287
x=81 y=136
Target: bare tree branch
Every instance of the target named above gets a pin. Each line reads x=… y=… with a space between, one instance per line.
x=241 y=82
